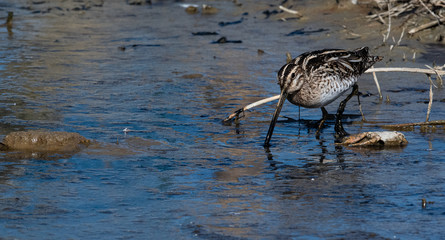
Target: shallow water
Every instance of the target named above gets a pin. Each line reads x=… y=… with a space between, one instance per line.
x=180 y=173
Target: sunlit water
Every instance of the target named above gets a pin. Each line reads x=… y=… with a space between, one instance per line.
x=179 y=172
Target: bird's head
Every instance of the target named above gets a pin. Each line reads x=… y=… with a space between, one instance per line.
x=368 y=60
x=290 y=78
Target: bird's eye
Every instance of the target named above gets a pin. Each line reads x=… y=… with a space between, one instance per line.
x=292 y=76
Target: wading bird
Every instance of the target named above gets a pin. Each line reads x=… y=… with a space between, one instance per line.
x=315 y=79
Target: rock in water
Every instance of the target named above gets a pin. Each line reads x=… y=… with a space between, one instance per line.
x=44 y=141
x=366 y=139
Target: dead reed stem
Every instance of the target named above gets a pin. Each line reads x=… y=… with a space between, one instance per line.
x=430 y=103
x=389 y=22
x=426 y=25
x=407 y=125
x=377 y=84
x=289 y=10
x=252 y=105
x=413 y=70
x=431 y=12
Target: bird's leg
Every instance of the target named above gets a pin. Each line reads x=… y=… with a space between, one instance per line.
x=360 y=106
x=322 y=120
x=339 y=130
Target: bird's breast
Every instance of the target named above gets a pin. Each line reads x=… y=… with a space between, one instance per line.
x=319 y=92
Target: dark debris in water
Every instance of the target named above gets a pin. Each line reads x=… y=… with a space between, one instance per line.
x=420 y=90
x=302 y=31
x=138 y=2
x=223 y=24
x=204 y=33
x=224 y=40
x=268 y=13
x=125 y=47
x=45 y=7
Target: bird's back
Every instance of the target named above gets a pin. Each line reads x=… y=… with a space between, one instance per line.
x=315 y=79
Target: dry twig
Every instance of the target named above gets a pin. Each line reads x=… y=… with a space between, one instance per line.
x=401 y=35
x=439 y=78
x=289 y=10
x=431 y=12
x=377 y=84
x=252 y=105
x=409 y=125
x=413 y=70
x=426 y=25
x=430 y=103
x=389 y=23
x=394 y=12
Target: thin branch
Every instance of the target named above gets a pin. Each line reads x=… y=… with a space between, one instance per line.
x=431 y=12
x=430 y=103
x=289 y=10
x=395 y=11
x=439 y=78
x=426 y=25
x=401 y=35
x=389 y=22
x=377 y=84
x=413 y=70
x=407 y=125
x=381 y=19
x=252 y=105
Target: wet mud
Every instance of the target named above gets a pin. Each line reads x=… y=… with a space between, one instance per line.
x=145 y=83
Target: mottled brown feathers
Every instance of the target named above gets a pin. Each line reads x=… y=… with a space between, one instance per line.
x=315 y=79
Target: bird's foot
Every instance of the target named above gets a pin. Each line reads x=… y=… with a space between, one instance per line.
x=340 y=132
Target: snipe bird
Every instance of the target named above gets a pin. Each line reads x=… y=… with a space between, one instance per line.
x=315 y=79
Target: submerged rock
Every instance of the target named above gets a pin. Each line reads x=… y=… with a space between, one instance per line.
x=191 y=10
x=206 y=9
x=44 y=141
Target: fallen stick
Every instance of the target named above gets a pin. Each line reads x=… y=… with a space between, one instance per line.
x=406 y=125
x=289 y=10
x=430 y=103
x=413 y=70
x=426 y=25
x=377 y=84
x=252 y=105
x=431 y=12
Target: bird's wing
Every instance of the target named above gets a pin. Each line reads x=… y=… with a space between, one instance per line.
x=331 y=62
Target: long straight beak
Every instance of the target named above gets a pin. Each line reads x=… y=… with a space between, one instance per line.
x=280 y=103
